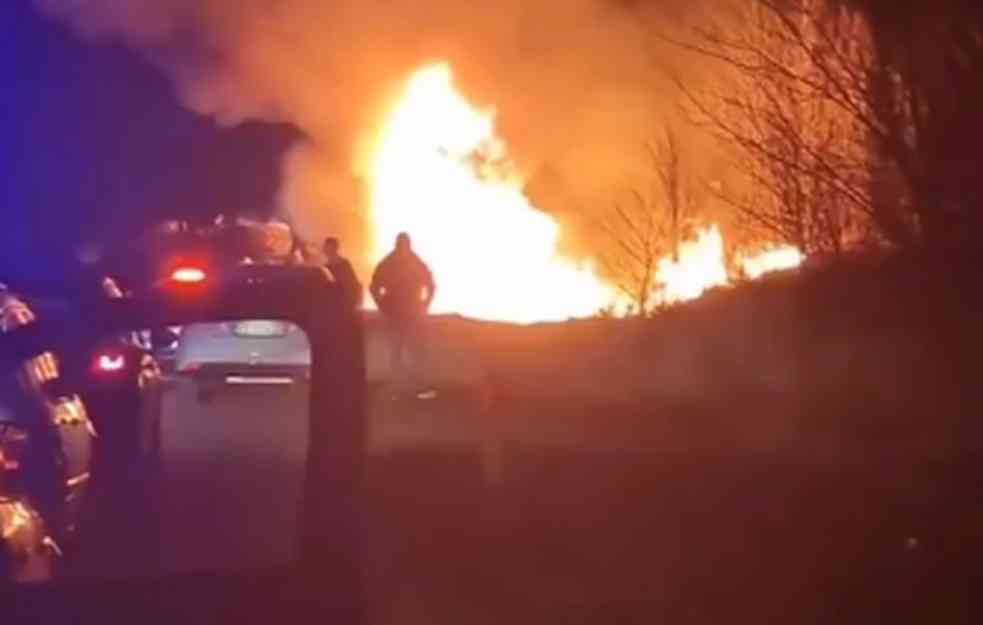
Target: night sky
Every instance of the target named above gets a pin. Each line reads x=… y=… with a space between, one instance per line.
x=94 y=144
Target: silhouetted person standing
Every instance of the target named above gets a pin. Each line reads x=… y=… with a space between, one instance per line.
x=403 y=288
x=343 y=272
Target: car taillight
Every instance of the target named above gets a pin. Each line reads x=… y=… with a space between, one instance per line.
x=188 y=275
x=13 y=448
x=109 y=362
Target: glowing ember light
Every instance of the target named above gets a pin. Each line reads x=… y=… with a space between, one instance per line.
x=701 y=266
x=440 y=173
x=775 y=259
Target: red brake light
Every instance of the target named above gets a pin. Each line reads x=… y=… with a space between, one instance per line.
x=110 y=362
x=188 y=275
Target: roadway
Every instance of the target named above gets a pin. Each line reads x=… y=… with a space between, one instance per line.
x=231 y=477
x=225 y=495
x=464 y=529
x=227 y=491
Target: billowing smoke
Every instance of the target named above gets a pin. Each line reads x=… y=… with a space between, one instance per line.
x=578 y=85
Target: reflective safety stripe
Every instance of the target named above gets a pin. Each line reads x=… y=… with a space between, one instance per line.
x=241 y=379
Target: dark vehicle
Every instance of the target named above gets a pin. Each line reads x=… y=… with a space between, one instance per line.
x=116 y=376
x=328 y=526
x=119 y=380
x=306 y=298
x=177 y=249
x=215 y=355
x=46 y=451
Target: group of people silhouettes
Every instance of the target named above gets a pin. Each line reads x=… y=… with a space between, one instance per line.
x=402 y=288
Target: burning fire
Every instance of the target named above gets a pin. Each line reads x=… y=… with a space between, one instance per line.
x=775 y=259
x=701 y=266
x=440 y=173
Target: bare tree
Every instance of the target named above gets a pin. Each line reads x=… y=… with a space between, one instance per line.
x=675 y=185
x=649 y=227
x=791 y=107
x=926 y=92
x=639 y=234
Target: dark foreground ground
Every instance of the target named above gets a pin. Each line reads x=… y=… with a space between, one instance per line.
x=747 y=461
x=803 y=450
x=639 y=538
x=460 y=531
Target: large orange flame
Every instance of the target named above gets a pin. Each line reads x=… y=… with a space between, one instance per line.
x=440 y=173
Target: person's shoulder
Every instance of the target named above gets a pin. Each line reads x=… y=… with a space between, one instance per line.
x=422 y=264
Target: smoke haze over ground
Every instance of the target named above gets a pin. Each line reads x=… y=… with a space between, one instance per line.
x=578 y=85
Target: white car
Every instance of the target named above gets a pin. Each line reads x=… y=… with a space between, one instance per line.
x=252 y=352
